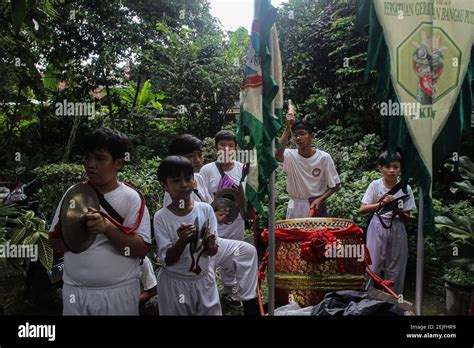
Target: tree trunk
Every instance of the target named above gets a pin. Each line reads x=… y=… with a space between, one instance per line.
x=109 y=99
x=137 y=92
x=72 y=138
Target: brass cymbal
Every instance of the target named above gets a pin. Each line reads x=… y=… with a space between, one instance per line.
x=225 y=204
x=75 y=204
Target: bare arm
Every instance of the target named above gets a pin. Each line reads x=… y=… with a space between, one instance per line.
x=404 y=215
x=174 y=253
x=290 y=120
x=325 y=196
x=368 y=208
x=131 y=245
x=185 y=233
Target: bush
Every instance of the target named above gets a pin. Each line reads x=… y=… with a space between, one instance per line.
x=459 y=275
x=143 y=176
x=55 y=179
x=358 y=156
x=345 y=203
x=209 y=150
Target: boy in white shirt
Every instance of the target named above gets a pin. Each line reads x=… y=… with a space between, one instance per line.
x=104 y=279
x=226 y=145
x=187 y=284
x=386 y=234
x=312 y=176
x=237 y=259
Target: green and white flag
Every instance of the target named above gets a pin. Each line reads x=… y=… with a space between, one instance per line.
x=261 y=102
x=422 y=52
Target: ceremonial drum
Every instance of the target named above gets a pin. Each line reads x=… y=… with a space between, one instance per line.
x=315 y=256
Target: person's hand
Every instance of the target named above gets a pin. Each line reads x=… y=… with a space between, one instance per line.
x=387 y=199
x=96 y=222
x=210 y=241
x=290 y=116
x=186 y=232
x=316 y=203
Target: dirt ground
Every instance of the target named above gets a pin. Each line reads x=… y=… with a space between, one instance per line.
x=11 y=301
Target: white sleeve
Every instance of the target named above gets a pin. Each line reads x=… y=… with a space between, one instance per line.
x=166 y=199
x=56 y=217
x=132 y=216
x=202 y=189
x=409 y=204
x=58 y=211
x=287 y=158
x=370 y=195
x=332 y=177
x=212 y=219
x=162 y=236
x=148 y=278
x=206 y=178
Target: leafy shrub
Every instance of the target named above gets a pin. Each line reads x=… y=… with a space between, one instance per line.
x=143 y=176
x=31 y=230
x=459 y=275
x=345 y=203
x=209 y=150
x=55 y=179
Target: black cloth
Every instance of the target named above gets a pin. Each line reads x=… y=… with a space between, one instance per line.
x=354 y=303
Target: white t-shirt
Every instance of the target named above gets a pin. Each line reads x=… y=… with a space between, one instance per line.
x=212 y=177
x=147 y=275
x=204 y=195
x=377 y=189
x=309 y=177
x=166 y=224
x=103 y=265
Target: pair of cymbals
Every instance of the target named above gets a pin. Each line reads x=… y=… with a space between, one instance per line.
x=75 y=205
x=227 y=200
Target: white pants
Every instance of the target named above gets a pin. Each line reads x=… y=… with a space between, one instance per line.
x=388 y=250
x=233 y=231
x=188 y=296
x=119 y=300
x=299 y=209
x=239 y=265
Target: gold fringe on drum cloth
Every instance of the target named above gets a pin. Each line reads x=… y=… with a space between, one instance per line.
x=306 y=282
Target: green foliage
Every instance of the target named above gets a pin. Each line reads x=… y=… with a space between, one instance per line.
x=459 y=275
x=31 y=230
x=461 y=236
x=209 y=150
x=345 y=203
x=455 y=224
x=55 y=179
x=141 y=99
x=323 y=59
x=281 y=197
x=143 y=176
x=147 y=58
x=465 y=167
x=351 y=151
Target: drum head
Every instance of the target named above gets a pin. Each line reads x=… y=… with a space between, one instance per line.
x=73 y=224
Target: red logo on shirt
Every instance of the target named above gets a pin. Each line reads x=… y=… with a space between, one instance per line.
x=316 y=172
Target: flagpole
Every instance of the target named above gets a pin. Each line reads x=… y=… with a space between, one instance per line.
x=271 y=219
x=419 y=256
